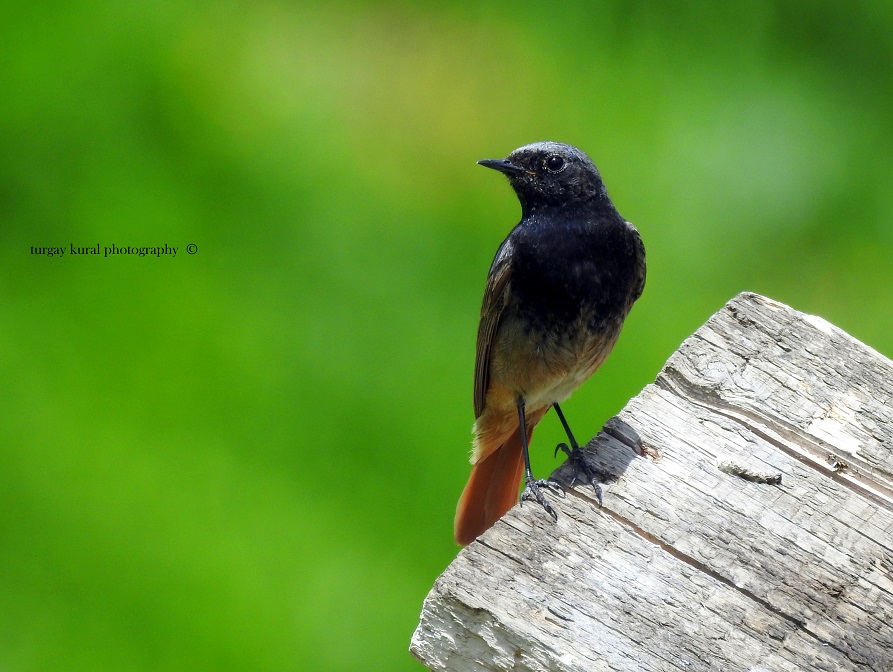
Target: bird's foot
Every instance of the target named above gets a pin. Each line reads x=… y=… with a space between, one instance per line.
x=534 y=491
x=584 y=471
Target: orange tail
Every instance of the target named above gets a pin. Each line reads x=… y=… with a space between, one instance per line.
x=492 y=489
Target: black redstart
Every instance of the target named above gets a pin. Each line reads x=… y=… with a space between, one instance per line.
x=558 y=291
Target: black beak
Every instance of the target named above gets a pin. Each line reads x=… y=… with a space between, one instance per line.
x=503 y=166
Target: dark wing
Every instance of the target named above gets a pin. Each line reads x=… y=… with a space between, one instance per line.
x=491 y=310
x=639 y=285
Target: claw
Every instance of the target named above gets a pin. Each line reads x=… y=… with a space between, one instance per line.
x=533 y=491
x=584 y=472
x=563 y=447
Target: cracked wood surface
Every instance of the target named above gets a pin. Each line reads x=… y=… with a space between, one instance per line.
x=690 y=564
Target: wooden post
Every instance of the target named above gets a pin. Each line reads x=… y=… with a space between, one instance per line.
x=699 y=557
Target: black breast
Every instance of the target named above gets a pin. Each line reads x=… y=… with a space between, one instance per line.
x=562 y=273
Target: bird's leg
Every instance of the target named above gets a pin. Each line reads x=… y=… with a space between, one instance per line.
x=592 y=475
x=534 y=487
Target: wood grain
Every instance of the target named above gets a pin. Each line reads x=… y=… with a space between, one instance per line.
x=690 y=564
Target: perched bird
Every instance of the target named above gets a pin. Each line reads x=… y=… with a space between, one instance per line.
x=557 y=293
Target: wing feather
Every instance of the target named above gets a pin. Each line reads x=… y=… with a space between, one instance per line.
x=495 y=297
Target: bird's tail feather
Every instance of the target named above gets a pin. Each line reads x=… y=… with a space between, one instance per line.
x=492 y=488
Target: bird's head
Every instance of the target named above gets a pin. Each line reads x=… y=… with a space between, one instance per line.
x=550 y=175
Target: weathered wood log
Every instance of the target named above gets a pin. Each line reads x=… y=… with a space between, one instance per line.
x=698 y=558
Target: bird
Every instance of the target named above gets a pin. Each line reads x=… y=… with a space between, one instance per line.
x=558 y=291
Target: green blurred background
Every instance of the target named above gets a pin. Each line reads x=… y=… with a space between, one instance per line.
x=249 y=458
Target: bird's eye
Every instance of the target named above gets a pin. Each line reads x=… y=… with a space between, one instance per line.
x=555 y=164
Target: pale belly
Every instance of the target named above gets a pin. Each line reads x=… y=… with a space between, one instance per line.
x=545 y=368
